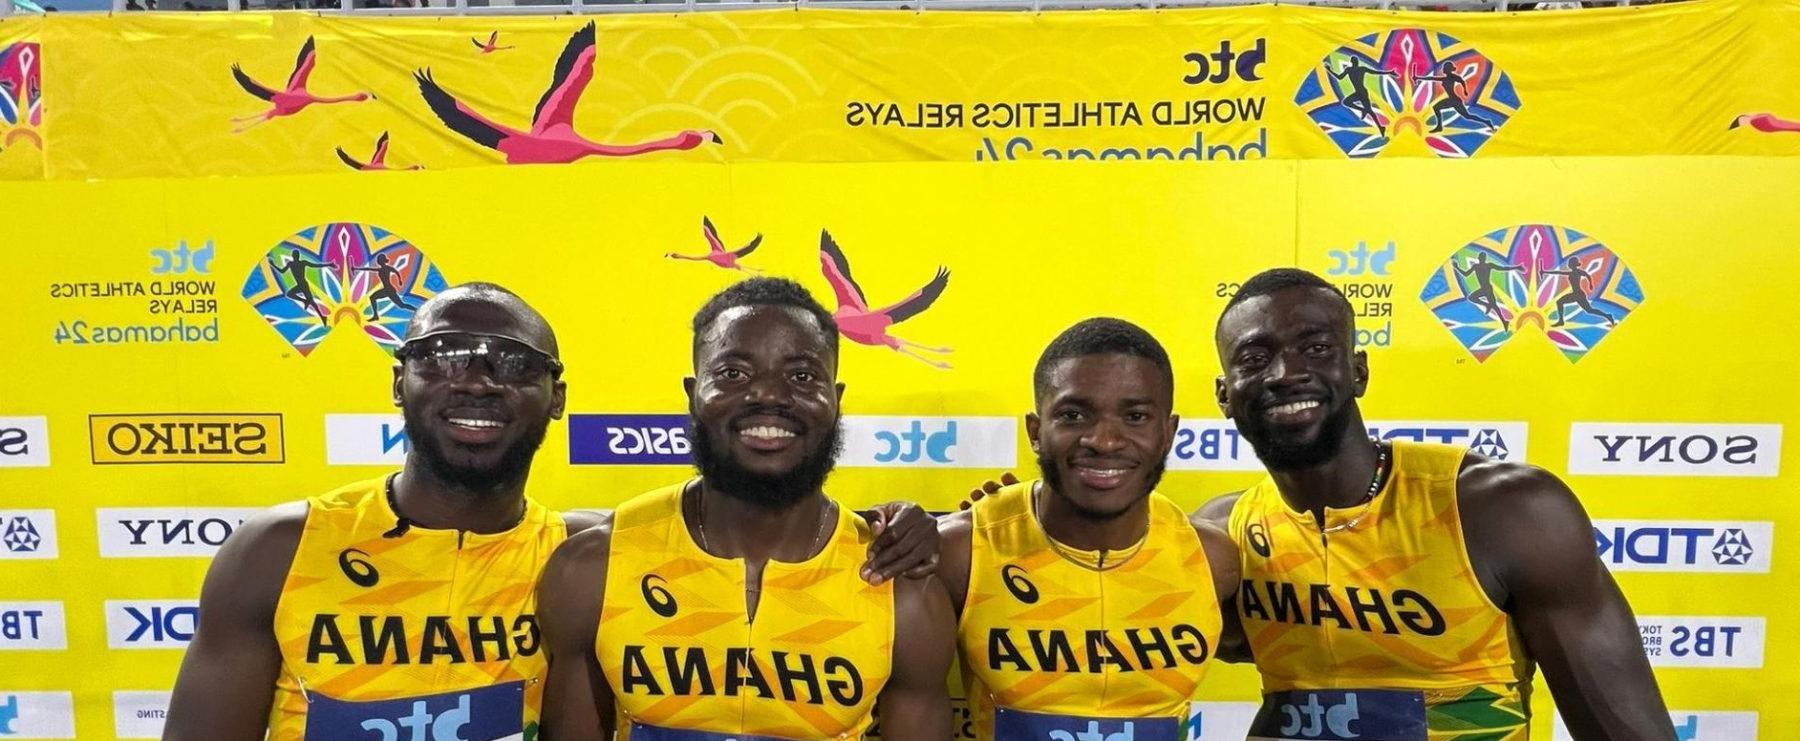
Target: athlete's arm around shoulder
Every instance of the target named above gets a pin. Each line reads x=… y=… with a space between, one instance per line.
x=578 y=703
x=227 y=679
x=915 y=703
x=1213 y=523
x=1528 y=536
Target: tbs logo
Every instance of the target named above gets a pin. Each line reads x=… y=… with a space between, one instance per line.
x=1704 y=642
x=629 y=439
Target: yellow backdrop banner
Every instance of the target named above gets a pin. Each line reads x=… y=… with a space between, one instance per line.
x=168 y=371
x=164 y=94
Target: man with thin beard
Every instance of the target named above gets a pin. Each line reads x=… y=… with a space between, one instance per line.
x=728 y=606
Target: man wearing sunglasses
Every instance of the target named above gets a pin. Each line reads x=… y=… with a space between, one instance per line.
x=403 y=607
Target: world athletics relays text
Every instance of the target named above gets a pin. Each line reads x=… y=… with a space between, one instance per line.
x=1052 y=114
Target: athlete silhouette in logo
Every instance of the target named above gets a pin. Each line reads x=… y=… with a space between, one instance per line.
x=1576 y=295
x=302 y=291
x=1452 y=99
x=389 y=277
x=1483 y=295
x=1358 y=99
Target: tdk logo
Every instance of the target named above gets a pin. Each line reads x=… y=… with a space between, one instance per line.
x=629 y=439
x=154 y=532
x=1705 y=642
x=940 y=442
x=1654 y=449
x=24 y=442
x=150 y=623
x=1504 y=441
x=27 y=533
x=32 y=626
x=366 y=439
x=915 y=444
x=1684 y=545
x=1360 y=261
x=1218 y=66
x=180 y=259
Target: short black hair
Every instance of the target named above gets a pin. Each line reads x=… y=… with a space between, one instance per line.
x=1100 y=336
x=1275 y=280
x=765 y=292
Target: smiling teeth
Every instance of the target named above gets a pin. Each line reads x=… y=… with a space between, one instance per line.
x=1295 y=407
x=1106 y=471
x=767 y=433
x=474 y=422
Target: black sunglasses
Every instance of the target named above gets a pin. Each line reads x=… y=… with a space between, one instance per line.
x=510 y=361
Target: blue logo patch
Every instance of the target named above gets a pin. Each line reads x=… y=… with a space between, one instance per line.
x=629 y=439
x=1018 y=725
x=1341 y=715
x=483 y=714
x=642 y=732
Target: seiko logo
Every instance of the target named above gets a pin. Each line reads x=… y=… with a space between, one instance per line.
x=186 y=438
x=154 y=532
x=1637 y=449
x=1022 y=588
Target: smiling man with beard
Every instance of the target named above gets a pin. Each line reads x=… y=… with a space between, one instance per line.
x=1090 y=604
x=729 y=606
x=1404 y=591
x=404 y=606
x=400 y=605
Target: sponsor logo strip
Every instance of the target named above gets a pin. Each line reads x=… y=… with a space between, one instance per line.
x=1667 y=449
x=186 y=438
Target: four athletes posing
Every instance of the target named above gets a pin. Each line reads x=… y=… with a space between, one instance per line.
x=1396 y=592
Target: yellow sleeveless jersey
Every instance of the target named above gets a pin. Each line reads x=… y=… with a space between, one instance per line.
x=431 y=634
x=1378 y=627
x=686 y=662
x=1059 y=643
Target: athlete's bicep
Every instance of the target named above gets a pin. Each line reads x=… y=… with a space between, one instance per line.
x=915 y=703
x=1571 y=615
x=577 y=701
x=227 y=678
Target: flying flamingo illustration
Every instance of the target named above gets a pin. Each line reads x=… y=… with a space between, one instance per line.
x=716 y=252
x=552 y=138
x=291 y=100
x=489 y=47
x=377 y=161
x=866 y=326
x=1764 y=122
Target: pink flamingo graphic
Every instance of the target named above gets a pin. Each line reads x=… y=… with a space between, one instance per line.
x=291 y=100
x=866 y=326
x=552 y=138
x=377 y=161
x=1764 y=122
x=716 y=252
x=489 y=47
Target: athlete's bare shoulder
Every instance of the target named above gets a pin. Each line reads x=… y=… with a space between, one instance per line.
x=1221 y=554
x=266 y=542
x=1519 y=522
x=578 y=520
x=1513 y=492
x=956 y=544
x=1218 y=509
